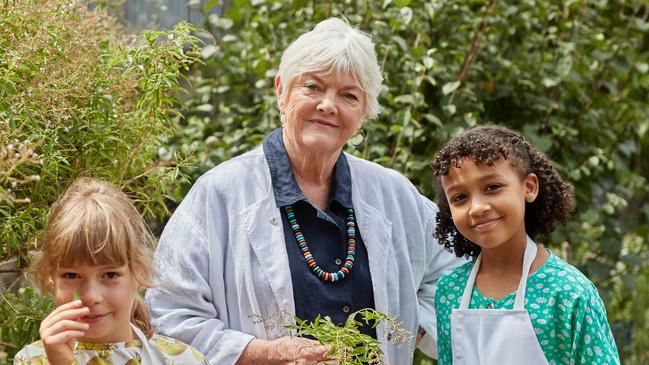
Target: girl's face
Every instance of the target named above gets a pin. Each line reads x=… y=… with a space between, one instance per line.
x=488 y=202
x=109 y=293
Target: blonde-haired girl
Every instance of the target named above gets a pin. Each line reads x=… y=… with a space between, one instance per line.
x=96 y=256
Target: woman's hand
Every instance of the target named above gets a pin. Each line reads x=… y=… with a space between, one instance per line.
x=59 y=332
x=285 y=351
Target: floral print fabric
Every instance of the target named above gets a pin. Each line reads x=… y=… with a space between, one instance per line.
x=118 y=353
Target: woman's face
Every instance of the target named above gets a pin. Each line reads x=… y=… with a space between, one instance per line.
x=323 y=110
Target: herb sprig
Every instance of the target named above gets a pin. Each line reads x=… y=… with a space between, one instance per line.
x=346 y=343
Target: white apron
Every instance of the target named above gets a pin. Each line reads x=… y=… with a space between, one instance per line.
x=496 y=336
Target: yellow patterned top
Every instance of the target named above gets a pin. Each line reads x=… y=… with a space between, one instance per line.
x=174 y=352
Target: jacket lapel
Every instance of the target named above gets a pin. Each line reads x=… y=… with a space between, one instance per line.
x=376 y=230
x=264 y=228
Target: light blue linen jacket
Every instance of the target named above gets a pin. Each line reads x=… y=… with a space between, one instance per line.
x=222 y=262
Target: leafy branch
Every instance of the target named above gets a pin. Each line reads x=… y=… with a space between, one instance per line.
x=346 y=343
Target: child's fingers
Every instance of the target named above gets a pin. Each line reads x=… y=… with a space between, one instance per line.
x=69 y=305
x=62 y=326
x=63 y=308
x=65 y=312
x=61 y=321
x=62 y=338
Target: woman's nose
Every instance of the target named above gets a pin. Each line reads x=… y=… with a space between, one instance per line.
x=327 y=104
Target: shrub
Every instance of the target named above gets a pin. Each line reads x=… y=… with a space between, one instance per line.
x=80 y=97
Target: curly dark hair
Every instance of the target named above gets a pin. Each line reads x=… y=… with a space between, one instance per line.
x=487 y=144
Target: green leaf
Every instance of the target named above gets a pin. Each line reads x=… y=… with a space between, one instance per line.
x=404 y=99
x=449 y=87
x=209 y=5
x=208 y=51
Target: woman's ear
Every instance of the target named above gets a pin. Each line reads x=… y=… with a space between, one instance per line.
x=531 y=185
x=279 y=93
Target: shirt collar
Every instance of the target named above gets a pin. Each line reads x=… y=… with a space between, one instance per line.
x=286 y=189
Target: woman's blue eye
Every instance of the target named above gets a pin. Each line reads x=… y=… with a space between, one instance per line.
x=312 y=86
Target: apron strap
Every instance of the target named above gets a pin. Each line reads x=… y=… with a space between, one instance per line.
x=468 y=289
x=530 y=254
x=519 y=303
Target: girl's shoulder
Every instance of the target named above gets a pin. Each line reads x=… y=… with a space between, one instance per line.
x=456 y=275
x=560 y=276
x=34 y=353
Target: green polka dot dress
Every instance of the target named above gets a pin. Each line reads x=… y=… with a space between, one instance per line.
x=566 y=311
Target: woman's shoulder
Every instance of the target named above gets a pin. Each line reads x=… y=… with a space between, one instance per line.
x=176 y=351
x=372 y=181
x=236 y=168
x=365 y=168
x=248 y=170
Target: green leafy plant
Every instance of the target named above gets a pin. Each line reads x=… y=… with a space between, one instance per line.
x=80 y=96
x=346 y=343
x=22 y=313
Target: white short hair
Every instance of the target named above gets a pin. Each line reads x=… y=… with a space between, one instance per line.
x=333 y=45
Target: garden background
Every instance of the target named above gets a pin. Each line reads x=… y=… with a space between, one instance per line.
x=83 y=95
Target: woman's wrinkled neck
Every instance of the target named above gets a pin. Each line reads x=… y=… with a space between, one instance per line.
x=310 y=167
x=313 y=172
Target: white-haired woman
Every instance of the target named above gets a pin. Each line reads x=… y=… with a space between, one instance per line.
x=297 y=226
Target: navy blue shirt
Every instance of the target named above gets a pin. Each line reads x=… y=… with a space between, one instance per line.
x=326 y=235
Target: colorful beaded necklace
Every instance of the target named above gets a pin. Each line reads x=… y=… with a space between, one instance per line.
x=346 y=268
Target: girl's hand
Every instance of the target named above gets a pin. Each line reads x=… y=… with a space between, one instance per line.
x=59 y=332
x=285 y=351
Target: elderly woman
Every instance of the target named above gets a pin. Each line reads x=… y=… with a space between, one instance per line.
x=298 y=225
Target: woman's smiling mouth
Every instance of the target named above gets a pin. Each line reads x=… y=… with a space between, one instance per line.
x=323 y=122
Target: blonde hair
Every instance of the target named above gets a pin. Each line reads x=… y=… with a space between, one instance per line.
x=96 y=223
x=333 y=45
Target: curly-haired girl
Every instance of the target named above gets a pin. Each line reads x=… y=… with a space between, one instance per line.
x=516 y=302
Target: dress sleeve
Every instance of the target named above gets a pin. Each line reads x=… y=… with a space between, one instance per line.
x=593 y=341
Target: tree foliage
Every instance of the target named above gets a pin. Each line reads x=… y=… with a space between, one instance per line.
x=572 y=76
x=78 y=97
